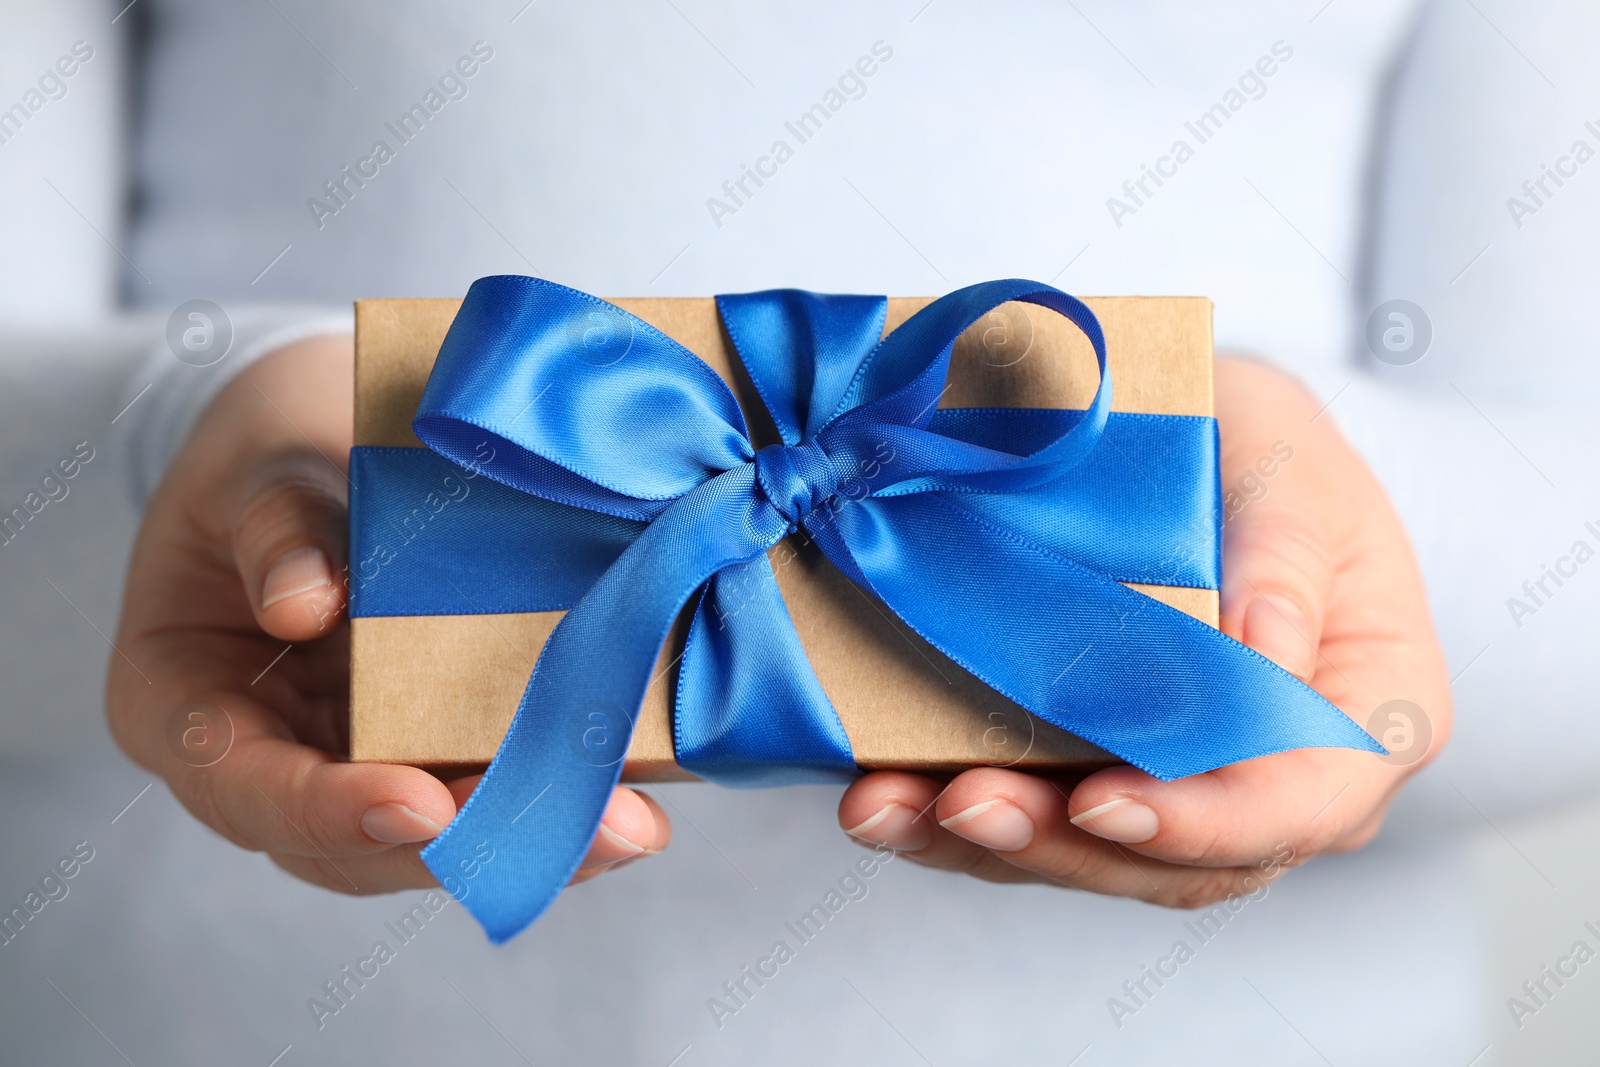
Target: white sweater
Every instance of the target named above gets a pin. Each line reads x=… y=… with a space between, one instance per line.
x=1300 y=167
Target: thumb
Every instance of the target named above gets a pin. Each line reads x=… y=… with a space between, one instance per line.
x=289 y=547
x=1277 y=566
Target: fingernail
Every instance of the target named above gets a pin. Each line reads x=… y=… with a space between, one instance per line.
x=1274 y=627
x=1121 y=820
x=897 y=826
x=997 y=824
x=298 y=571
x=601 y=868
x=610 y=849
x=396 y=824
x=624 y=848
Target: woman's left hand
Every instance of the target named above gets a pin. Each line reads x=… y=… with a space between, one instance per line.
x=1319 y=578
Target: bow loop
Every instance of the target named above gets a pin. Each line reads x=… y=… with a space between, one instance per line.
x=802 y=350
x=899 y=383
x=577 y=401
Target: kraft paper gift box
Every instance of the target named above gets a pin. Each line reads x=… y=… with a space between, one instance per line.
x=439 y=691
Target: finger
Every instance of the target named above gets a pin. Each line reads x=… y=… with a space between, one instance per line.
x=1302 y=802
x=896 y=810
x=388 y=871
x=1277 y=574
x=1024 y=822
x=289 y=546
x=633 y=827
x=1286 y=521
x=264 y=791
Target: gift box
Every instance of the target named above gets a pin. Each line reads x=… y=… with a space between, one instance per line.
x=795 y=536
x=439 y=690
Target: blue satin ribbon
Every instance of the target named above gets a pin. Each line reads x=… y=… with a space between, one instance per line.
x=596 y=465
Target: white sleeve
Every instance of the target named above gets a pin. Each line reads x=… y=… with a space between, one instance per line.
x=191 y=365
x=1485 y=442
x=1470 y=484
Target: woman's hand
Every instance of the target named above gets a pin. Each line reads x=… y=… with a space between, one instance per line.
x=231 y=678
x=1319 y=578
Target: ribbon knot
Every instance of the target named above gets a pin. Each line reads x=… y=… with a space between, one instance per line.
x=797 y=479
x=625 y=493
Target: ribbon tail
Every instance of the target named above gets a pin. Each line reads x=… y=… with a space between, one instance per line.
x=529 y=823
x=750 y=710
x=1163 y=691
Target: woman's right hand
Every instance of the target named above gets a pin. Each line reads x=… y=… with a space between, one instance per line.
x=230 y=677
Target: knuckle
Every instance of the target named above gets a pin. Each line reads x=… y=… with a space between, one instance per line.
x=1200 y=889
x=1361 y=834
x=122 y=719
x=199 y=791
x=1330 y=830
x=1204 y=850
x=970 y=860
x=1358 y=839
x=1073 y=867
x=321 y=873
x=1294 y=552
x=278 y=511
x=1317 y=840
x=973 y=862
x=310 y=821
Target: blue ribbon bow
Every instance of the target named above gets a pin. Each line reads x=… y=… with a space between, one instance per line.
x=622 y=484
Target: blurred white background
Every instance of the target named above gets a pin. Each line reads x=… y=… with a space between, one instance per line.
x=1377 y=165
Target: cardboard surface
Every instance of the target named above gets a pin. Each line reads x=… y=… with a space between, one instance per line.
x=440 y=691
